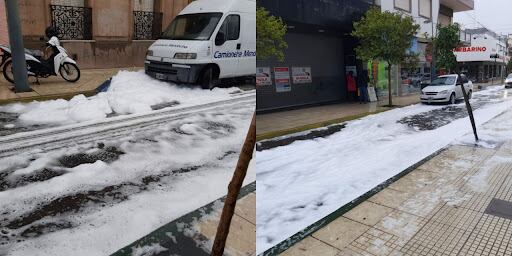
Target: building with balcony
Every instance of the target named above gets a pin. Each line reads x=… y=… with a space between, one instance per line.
x=320 y=45
x=475 y=59
x=429 y=14
x=98 y=34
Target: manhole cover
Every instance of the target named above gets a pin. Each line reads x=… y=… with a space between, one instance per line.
x=500 y=208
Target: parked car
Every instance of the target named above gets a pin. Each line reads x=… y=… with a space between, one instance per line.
x=508 y=81
x=209 y=40
x=446 y=88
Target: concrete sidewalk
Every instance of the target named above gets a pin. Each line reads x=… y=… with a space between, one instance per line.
x=194 y=233
x=284 y=120
x=457 y=203
x=55 y=87
x=291 y=121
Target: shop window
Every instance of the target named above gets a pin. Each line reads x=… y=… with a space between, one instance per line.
x=404 y=5
x=231 y=27
x=425 y=8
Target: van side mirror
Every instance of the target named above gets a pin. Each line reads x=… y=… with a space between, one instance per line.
x=220 y=39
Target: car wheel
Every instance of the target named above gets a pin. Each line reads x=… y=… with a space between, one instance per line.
x=452 y=98
x=208 y=78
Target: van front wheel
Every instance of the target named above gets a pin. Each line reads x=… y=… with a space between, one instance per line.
x=207 y=79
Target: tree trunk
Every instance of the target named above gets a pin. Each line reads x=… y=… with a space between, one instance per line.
x=390 y=100
x=234 y=189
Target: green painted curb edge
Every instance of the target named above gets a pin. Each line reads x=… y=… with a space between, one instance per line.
x=179 y=244
x=297 y=237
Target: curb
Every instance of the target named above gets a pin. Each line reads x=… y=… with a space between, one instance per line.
x=302 y=128
x=297 y=237
x=171 y=235
x=67 y=96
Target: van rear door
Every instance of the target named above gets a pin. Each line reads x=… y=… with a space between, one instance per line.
x=227 y=45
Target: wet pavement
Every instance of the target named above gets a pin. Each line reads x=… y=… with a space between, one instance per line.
x=9 y=123
x=53 y=214
x=439 y=117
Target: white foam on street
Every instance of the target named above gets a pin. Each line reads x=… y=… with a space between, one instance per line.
x=183 y=143
x=129 y=93
x=301 y=183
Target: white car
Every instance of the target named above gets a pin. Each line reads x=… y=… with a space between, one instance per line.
x=446 y=89
x=508 y=81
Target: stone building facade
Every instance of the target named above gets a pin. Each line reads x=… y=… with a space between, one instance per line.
x=98 y=33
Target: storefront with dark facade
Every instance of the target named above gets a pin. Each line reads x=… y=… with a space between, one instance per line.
x=320 y=52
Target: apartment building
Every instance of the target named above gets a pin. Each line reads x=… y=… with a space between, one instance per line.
x=97 y=33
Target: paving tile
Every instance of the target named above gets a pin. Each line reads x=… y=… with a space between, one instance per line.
x=401 y=224
x=436 y=239
x=241 y=238
x=475 y=202
x=340 y=232
x=368 y=213
x=310 y=247
x=246 y=208
x=488 y=180
x=428 y=201
x=458 y=217
x=375 y=242
x=406 y=184
x=6 y=93
x=492 y=236
x=89 y=80
x=390 y=198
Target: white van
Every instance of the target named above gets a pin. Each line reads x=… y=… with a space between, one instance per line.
x=209 y=40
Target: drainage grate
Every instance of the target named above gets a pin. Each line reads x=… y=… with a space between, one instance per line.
x=500 y=208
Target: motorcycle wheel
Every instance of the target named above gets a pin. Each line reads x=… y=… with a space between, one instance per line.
x=70 y=72
x=7 y=69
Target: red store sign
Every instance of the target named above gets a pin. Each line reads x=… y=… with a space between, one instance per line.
x=471 y=49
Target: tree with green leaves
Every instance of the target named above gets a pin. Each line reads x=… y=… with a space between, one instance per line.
x=384 y=36
x=270 y=31
x=447 y=40
x=509 y=66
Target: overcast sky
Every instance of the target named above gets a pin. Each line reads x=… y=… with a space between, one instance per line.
x=493 y=14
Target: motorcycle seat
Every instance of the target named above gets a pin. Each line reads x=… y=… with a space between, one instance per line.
x=35 y=53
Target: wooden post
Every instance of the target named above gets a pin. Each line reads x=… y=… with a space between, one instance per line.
x=234 y=189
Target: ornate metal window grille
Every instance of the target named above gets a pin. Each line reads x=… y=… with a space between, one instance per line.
x=147 y=25
x=72 y=23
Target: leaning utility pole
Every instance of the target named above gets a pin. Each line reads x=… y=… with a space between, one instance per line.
x=17 y=48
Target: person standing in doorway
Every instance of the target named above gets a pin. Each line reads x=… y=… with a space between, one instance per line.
x=362 y=85
x=351 y=86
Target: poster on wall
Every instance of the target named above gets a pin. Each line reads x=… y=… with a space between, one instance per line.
x=351 y=68
x=301 y=75
x=263 y=76
x=282 y=79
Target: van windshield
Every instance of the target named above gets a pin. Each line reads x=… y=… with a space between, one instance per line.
x=197 y=26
